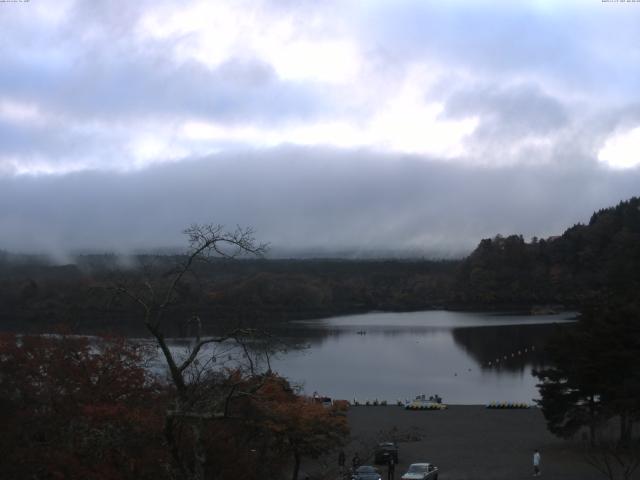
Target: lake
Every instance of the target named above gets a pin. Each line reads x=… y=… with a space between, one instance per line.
x=466 y=358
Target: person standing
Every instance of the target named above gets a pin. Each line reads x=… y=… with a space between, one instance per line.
x=341 y=460
x=536 y=463
x=391 y=468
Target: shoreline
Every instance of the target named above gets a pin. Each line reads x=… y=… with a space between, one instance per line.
x=129 y=325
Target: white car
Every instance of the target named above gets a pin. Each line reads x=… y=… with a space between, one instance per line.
x=421 y=471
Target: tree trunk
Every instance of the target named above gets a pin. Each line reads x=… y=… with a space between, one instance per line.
x=296 y=465
x=592 y=421
x=172 y=444
x=592 y=434
x=625 y=429
x=199 y=452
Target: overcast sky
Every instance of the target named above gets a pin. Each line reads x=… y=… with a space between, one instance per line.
x=408 y=126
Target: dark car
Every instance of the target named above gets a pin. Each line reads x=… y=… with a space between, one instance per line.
x=366 y=472
x=385 y=450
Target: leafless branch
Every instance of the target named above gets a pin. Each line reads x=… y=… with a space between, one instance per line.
x=194 y=401
x=614 y=460
x=195 y=349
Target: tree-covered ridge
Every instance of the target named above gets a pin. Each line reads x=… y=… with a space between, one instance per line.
x=585 y=261
x=35 y=297
x=501 y=273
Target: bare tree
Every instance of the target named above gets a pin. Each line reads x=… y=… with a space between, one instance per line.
x=613 y=459
x=198 y=400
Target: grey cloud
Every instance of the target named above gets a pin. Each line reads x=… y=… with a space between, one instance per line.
x=92 y=65
x=94 y=101
x=27 y=140
x=588 y=48
x=88 y=70
x=116 y=87
x=55 y=143
x=302 y=198
x=561 y=131
x=508 y=112
x=107 y=17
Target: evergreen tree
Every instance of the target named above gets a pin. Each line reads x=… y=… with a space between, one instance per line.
x=594 y=377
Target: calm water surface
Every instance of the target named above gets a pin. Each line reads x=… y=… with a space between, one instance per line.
x=466 y=358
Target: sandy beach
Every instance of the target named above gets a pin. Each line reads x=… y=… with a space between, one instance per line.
x=467 y=442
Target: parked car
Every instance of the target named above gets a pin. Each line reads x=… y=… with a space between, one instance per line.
x=385 y=450
x=421 y=471
x=366 y=472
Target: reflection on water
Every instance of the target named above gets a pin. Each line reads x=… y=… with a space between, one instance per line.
x=507 y=347
x=464 y=357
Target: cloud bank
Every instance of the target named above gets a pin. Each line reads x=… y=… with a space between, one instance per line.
x=404 y=125
x=306 y=201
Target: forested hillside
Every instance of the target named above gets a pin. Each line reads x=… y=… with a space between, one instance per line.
x=602 y=257
x=248 y=291
x=586 y=261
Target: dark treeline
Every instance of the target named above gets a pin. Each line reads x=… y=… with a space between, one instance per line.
x=586 y=262
x=260 y=291
x=501 y=273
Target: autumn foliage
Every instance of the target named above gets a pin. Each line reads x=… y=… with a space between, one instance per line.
x=70 y=412
x=76 y=408
x=268 y=429
x=298 y=427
